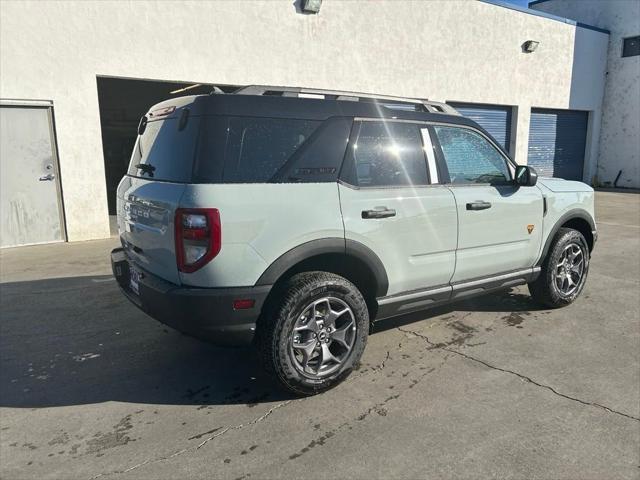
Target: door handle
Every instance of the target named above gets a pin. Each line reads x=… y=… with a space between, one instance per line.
x=47 y=178
x=478 y=205
x=380 y=212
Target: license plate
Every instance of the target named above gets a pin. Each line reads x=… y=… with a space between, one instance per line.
x=134 y=280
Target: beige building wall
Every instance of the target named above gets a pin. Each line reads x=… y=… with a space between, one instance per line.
x=448 y=50
x=620 y=131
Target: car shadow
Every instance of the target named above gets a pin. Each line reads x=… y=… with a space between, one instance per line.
x=71 y=341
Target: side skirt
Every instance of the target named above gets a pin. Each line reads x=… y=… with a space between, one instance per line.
x=407 y=302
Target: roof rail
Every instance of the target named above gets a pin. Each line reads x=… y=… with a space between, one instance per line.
x=301 y=92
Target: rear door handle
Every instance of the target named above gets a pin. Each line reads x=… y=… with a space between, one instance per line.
x=478 y=205
x=47 y=178
x=379 y=212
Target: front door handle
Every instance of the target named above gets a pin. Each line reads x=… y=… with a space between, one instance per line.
x=47 y=178
x=379 y=212
x=478 y=205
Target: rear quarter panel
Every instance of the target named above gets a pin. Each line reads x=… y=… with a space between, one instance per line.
x=260 y=222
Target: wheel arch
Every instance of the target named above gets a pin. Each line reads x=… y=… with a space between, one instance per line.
x=348 y=258
x=579 y=220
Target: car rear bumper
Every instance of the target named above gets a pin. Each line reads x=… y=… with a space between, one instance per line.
x=205 y=313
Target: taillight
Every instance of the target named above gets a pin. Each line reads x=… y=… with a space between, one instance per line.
x=198 y=237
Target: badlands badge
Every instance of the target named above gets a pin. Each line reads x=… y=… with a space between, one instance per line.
x=530 y=228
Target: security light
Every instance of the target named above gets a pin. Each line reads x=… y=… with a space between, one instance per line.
x=530 y=46
x=311 y=6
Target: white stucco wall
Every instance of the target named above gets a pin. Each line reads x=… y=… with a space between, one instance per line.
x=449 y=50
x=620 y=129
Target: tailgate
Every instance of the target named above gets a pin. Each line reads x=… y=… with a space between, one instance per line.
x=161 y=164
x=146 y=211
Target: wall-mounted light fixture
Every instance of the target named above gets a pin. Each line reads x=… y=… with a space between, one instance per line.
x=530 y=46
x=310 y=6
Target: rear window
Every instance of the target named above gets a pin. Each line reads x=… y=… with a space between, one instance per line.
x=164 y=151
x=231 y=149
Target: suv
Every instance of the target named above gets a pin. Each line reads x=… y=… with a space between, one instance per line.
x=293 y=218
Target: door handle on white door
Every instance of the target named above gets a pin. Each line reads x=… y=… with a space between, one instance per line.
x=378 y=212
x=478 y=205
x=47 y=178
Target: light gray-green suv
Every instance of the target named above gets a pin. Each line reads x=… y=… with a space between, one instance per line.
x=293 y=218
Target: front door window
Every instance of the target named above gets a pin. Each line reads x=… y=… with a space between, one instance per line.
x=470 y=158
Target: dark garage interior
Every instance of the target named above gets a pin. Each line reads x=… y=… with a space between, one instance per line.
x=122 y=102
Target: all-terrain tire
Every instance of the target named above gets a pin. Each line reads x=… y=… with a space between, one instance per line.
x=545 y=289
x=276 y=329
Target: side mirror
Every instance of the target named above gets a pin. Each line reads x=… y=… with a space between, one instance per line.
x=526 y=176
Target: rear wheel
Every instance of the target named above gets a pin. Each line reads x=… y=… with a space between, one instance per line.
x=313 y=334
x=564 y=271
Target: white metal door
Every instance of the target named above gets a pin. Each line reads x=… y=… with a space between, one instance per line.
x=30 y=207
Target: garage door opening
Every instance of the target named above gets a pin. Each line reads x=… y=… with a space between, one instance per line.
x=495 y=119
x=122 y=103
x=557 y=141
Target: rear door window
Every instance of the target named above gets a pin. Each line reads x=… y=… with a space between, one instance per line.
x=386 y=154
x=164 y=151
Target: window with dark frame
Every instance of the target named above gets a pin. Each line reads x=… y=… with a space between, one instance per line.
x=165 y=152
x=470 y=158
x=259 y=147
x=631 y=46
x=386 y=154
x=270 y=150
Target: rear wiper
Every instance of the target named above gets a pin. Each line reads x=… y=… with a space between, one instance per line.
x=146 y=168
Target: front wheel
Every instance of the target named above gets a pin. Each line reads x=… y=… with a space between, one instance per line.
x=564 y=271
x=313 y=335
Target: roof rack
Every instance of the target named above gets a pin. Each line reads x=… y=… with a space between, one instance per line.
x=389 y=101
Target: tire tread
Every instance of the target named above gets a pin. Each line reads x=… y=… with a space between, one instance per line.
x=273 y=320
x=542 y=289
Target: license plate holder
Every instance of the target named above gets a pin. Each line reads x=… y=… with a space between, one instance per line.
x=134 y=279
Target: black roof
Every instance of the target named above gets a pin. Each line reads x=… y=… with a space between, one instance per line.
x=301 y=108
x=304 y=109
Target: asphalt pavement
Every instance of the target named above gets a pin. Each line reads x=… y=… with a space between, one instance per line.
x=497 y=387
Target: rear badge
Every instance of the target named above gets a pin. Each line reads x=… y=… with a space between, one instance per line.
x=530 y=228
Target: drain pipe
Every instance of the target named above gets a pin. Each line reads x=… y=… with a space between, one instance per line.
x=615 y=182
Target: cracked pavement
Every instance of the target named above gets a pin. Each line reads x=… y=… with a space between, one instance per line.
x=492 y=387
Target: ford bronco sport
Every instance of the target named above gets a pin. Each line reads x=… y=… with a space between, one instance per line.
x=293 y=218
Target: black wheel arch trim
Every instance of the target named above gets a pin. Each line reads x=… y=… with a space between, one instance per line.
x=347 y=247
x=570 y=215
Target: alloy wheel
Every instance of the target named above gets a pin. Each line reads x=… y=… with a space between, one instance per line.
x=570 y=269
x=322 y=337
